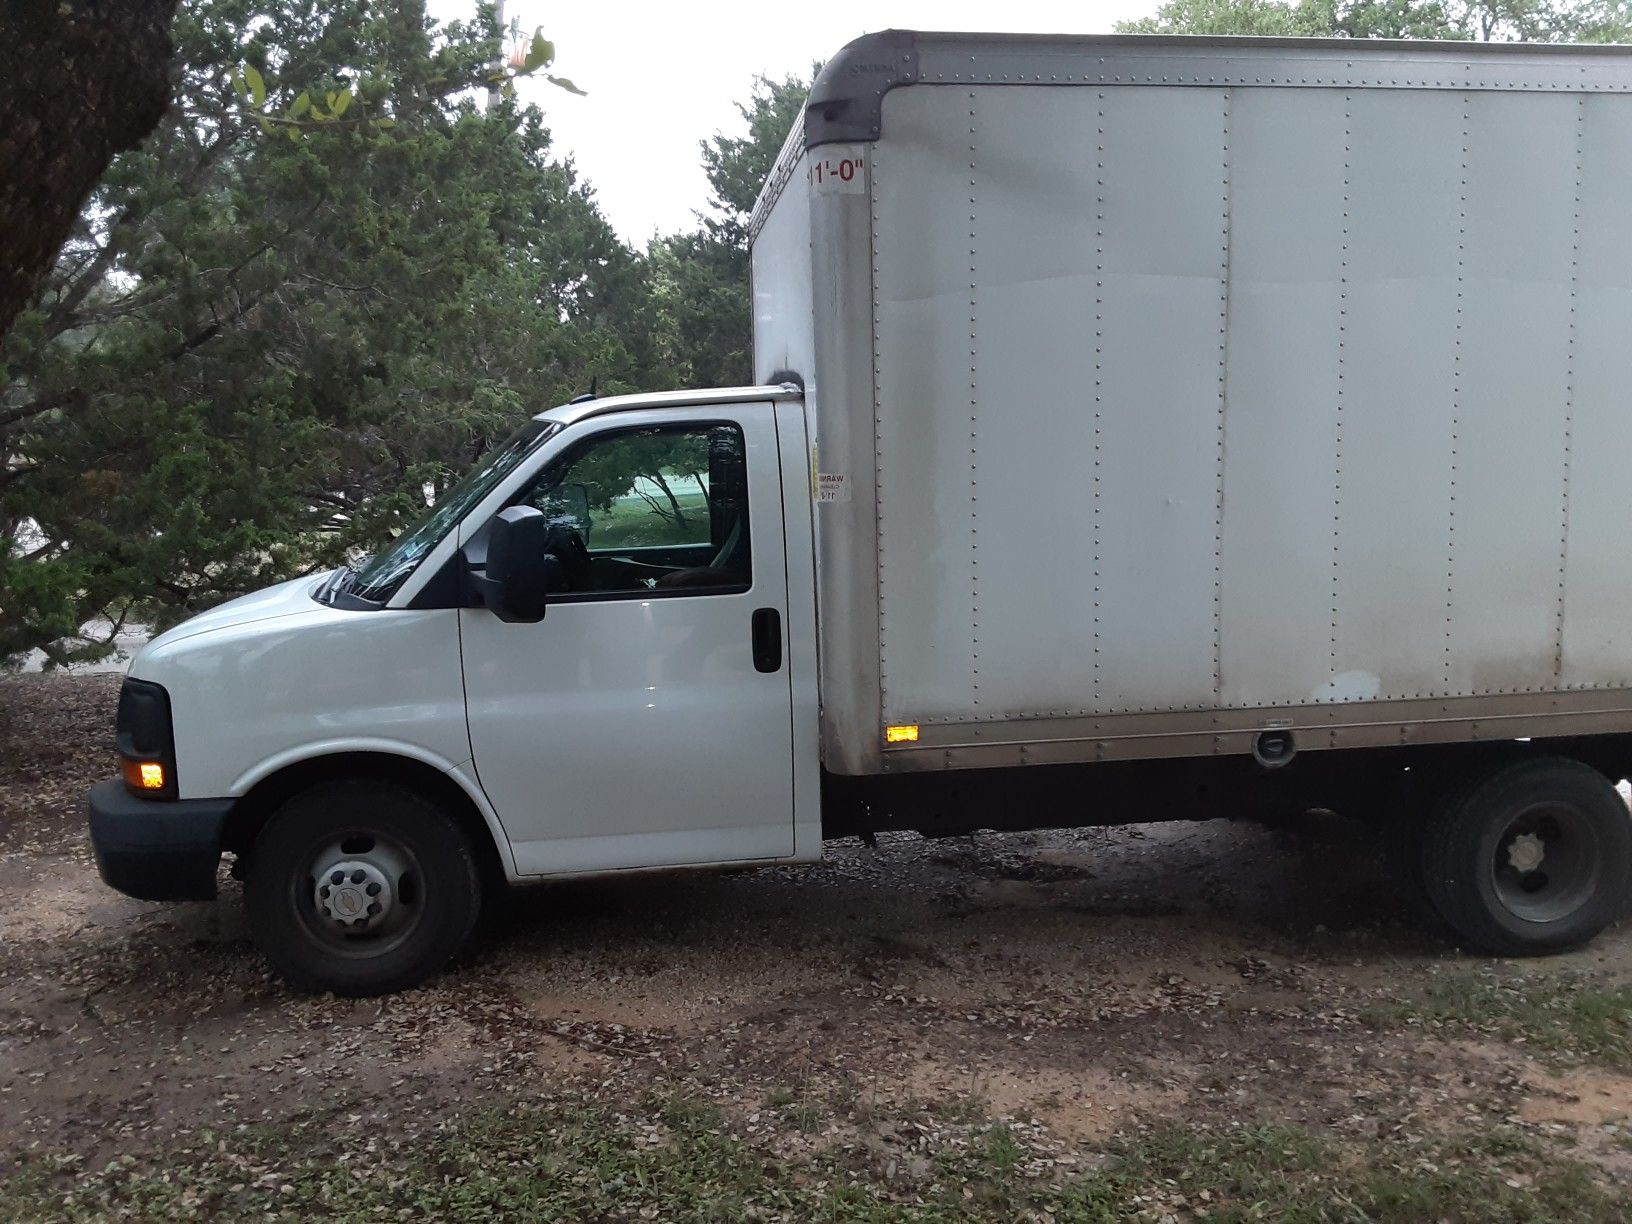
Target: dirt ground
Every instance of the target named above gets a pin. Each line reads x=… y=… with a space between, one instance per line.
x=1077 y=986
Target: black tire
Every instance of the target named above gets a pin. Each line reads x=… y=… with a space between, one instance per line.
x=415 y=871
x=1531 y=858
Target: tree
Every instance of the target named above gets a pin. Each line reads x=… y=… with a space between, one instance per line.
x=624 y=466
x=702 y=277
x=1301 y=18
x=1499 y=20
x=1263 y=18
x=1584 y=21
x=260 y=351
x=79 y=81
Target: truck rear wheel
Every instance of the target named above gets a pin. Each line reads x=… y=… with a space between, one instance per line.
x=1531 y=858
x=362 y=888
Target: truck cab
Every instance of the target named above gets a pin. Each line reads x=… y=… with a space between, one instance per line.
x=593 y=654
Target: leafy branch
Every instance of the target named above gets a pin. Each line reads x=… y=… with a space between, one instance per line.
x=539 y=54
x=305 y=113
x=308 y=113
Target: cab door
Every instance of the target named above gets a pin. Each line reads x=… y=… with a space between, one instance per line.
x=646 y=720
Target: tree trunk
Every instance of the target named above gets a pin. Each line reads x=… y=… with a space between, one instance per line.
x=80 y=80
x=674 y=502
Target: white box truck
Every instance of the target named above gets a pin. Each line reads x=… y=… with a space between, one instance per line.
x=1148 y=427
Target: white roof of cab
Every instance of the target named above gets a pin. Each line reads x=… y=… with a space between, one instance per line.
x=569 y=414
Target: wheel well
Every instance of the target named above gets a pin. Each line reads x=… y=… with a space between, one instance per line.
x=250 y=814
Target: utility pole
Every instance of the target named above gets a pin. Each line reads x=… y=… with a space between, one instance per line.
x=498 y=63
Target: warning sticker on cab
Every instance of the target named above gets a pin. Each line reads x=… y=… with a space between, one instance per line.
x=832 y=487
x=838 y=170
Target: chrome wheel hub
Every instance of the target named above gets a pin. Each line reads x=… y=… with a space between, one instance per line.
x=1546 y=864
x=359 y=893
x=1525 y=852
x=354 y=894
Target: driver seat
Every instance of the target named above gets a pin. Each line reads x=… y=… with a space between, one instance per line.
x=732 y=557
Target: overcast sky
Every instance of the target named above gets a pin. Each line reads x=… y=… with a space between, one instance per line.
x=663 y=76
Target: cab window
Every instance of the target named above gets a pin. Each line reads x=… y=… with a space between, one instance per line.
x=636 y=512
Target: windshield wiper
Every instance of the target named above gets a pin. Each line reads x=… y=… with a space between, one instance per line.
x=335 y=584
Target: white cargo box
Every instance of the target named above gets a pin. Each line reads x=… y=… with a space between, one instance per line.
x=1172 y=389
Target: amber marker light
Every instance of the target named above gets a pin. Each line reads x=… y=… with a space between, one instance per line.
x=144 y=775
x=905 y=733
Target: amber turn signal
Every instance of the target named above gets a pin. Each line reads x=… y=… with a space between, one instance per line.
x=143 y=775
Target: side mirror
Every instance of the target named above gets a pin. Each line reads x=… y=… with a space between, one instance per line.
x=515 y=582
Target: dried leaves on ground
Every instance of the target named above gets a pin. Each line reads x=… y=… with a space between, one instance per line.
x=1180 y=1021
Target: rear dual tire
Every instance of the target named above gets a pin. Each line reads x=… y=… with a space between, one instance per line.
x=361 y=888
x=1530 y=858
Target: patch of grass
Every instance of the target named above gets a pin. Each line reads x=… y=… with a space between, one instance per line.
x=1580 y=1015
x=684 y=1160
x=1000 y=1150
x=632 y=522
x=675 y=1158
x=967 y=1107
x=805 y=1115
x=797 y=1107
x=1287 y=1174
x=685 y=1114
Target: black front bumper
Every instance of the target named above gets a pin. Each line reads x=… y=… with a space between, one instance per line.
x=157 y=849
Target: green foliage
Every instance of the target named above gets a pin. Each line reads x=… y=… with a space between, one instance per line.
x=620 y=469
x=1286 y=1173
x=1500 y=20
x=306 y=115
x=1577 y=1017
x=1389 y=19
x=701 y=278
x=540 y=53
x=1594 y=21
x=256 y=356
x=1301 y=19
x=252 y=85
x=1256 y=17
x=680 y=1158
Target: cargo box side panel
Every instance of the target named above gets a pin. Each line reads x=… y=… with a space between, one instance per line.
x=922 y=310
x=1029 y=466
x=784 y=332
x=1281 y=427
x=1391 y=496
x=1159 y=352
x=1596 y=633
x=1510 y=392
x=1395 y=428
x=1200 y=409
x=1049 y=355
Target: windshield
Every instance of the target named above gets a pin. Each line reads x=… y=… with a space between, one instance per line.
x=385 y=571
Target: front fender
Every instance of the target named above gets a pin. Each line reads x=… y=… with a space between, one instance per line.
x=461 y=773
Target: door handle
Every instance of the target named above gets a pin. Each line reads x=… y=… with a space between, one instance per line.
x=767 y=639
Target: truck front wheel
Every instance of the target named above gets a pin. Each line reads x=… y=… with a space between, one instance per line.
x=1533 y=857
x=360 y=887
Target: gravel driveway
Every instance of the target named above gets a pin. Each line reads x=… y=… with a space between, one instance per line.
x=1097 y=998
